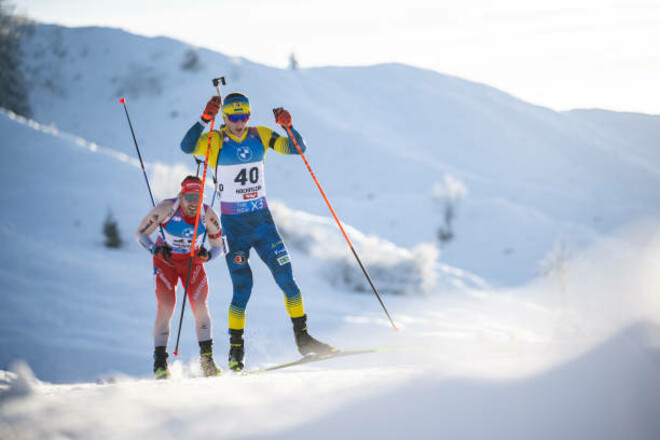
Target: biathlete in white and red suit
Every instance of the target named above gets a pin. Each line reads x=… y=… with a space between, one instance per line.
x=171 y=259
x=238 y=151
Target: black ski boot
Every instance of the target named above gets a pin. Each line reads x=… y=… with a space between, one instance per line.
x=236 y=350
x=209 y=368
x=306 y=344
x=160 y=363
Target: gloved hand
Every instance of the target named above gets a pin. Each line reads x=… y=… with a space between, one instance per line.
x=282 y=117
x=202 y=256
x=163 y=252
x=212 y=109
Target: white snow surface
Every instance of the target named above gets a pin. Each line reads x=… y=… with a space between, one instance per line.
x=487 y=348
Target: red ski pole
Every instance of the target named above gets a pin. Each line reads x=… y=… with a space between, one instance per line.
x=332 y=211
x=200 y=206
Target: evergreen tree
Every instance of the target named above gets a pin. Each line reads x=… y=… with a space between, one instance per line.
x=448 y=194
x=13 y=93
x=293 y=62
x=111 y=232
x=191 y=61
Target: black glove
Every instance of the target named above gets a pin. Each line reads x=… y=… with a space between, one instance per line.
x=212 y=109
x=282 y=117
x=163 y=252
x=202 y=256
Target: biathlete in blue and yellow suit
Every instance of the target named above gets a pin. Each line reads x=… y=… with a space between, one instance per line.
x=238 y=151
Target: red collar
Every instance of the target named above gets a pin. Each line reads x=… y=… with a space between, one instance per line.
x=189 y=220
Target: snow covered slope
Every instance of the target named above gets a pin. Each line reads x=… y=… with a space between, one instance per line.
x=380 y=138
x=573 y=355
x=534 y=361
x=58 y=277
x=610 y=393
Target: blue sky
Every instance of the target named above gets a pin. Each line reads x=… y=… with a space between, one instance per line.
x=562 y=54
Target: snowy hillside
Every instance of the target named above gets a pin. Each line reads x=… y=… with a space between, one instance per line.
x=72 y=178
x=380 y=139
x=531 y=362
x=486 y=347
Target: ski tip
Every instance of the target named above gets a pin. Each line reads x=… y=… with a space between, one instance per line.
x=122 y=101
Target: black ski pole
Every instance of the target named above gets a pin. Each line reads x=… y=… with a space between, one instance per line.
x=122 y=101
x=350 y=245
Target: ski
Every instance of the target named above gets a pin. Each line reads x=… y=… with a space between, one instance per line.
x=320 y=357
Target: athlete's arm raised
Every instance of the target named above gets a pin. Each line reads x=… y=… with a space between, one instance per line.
x=281 y=144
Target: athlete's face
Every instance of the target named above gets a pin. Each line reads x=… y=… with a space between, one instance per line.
x=188 y=203
x=236 y=126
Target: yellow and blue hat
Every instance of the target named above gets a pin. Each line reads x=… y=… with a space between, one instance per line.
x=236 y=104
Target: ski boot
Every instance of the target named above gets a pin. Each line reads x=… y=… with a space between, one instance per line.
x=305 y=343
x=209 y=368
x=160 y=363
x=236 y=350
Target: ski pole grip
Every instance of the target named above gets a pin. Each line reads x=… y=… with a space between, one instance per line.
x=216 y=84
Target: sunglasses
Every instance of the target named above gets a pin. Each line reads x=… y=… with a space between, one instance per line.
x=236 y=118
x=191 y=197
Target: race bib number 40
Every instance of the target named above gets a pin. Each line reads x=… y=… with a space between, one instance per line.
x=242 y=182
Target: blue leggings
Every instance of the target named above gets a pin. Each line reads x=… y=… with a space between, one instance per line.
x=257 y=230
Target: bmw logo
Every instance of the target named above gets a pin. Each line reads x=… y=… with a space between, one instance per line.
x=244 y=154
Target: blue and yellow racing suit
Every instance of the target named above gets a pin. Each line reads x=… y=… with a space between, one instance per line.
x=246 y=219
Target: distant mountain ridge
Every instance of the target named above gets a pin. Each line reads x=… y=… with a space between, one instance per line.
x=380 y=138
